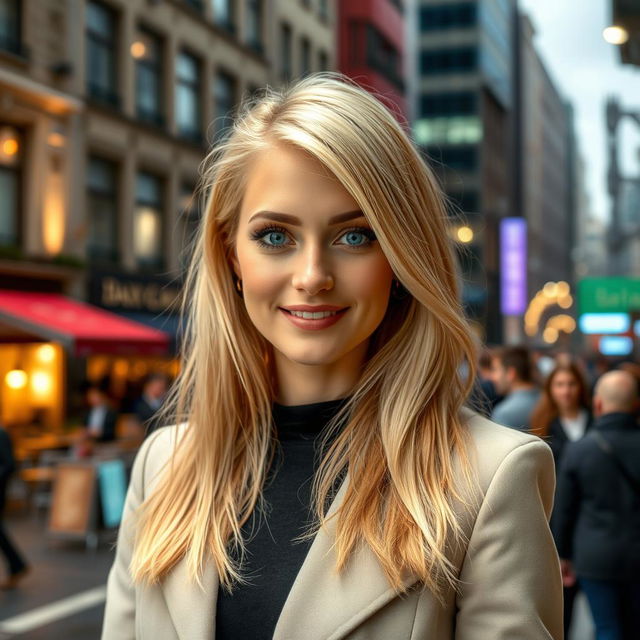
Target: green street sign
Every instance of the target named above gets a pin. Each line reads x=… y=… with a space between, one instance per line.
x=605 y=295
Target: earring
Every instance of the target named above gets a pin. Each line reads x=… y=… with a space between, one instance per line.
x=398 y=291
x=239 y=286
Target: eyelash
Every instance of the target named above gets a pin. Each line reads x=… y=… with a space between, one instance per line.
x=258 y=234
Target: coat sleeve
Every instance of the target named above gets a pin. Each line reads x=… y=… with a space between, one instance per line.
x=567 y=505
x=510 y=584
x=120 y=609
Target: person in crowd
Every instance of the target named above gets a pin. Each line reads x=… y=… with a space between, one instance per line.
x=596 y=519
x=512 y=375
x=563 y=415
x=100 y=421
x=17 y=567
x=150 y=402
x=323 y=478
x=484 y=396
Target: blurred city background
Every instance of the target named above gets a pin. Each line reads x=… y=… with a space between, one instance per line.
x=529 y=112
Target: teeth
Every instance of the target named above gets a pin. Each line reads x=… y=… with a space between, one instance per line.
x=313 y=315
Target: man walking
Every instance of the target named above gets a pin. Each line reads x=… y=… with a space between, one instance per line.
x=512 y=377
x=17 y=567
x=596 y=519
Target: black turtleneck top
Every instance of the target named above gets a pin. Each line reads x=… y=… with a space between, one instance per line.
x=273 y=559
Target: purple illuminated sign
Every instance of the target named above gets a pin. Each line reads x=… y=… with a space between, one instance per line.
x=513 y=266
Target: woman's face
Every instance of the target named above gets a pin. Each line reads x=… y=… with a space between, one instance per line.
x=303 y=242
x=565 y=391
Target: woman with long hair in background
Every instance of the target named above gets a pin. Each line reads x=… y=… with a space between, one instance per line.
x=563 y=415
x=323 y=478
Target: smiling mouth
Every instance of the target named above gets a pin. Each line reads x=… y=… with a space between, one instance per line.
x=314 y=315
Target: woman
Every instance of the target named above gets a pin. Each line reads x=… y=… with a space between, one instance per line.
x=563 y=415
x=324 y=479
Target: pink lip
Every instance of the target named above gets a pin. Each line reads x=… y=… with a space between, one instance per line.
x=309 y=307
x=314 y=325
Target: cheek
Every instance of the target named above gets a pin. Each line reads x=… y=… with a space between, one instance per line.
x=370 y=281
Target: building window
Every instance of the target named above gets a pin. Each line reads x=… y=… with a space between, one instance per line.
x=383 y=57
x=254 y=25
x=102 y=77
x=10 y=186
x=459 y=158
x=305 y=57
x=195 y=4
x=147 y=223
x=323 y=10
x=323 y=61
x=102 y=204
x=189 y=214
x=453 y=60
x=447 y=104
x=188 y=97
x=223 y=14
x=11 y=27
x=448 y=16
x=285 y=51
x=224 y=98
x=147 y=50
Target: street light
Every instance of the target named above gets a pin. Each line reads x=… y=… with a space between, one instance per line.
x=615 y=35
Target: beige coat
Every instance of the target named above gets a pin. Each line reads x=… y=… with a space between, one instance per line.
x=510 y=576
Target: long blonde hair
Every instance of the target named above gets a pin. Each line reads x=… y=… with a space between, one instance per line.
x=403 y=422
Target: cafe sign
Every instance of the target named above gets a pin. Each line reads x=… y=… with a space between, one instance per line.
x=134 y=294
x=609 y=295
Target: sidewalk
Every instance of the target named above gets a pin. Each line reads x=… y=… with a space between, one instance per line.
x=59 y=570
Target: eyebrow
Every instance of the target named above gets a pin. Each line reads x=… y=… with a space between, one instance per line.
x=285 y=217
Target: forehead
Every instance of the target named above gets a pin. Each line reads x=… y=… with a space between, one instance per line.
x=285 y=179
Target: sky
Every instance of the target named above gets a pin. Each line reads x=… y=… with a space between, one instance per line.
x=586 y=70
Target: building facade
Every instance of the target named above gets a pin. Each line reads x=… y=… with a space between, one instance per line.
x=371 y=49
x=107 y=110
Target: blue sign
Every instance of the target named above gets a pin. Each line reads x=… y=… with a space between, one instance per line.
x=112 y=479
x=616 y=345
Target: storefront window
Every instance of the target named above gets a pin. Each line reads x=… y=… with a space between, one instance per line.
x=102 y=201
x=101 y=53
x=147 y=51
x=188 y=96
x=148 y=242
x=10 y=181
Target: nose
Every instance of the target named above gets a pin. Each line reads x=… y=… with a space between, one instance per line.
x=312 y=273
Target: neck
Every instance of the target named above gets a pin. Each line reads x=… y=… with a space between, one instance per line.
x=573 y=412
x=522 y=386
x=301 y=383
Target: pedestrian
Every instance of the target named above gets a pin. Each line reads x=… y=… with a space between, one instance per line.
x=563 y=415
x=484 y=396
x=100 y=421
x=149 y=405
x=597 y=515
x=323 y=479
x=17 y=567
x=512 y=375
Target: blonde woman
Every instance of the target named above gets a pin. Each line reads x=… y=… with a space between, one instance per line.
x=324 y=479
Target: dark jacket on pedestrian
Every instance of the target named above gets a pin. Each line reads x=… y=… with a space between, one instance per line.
x=558 y=440
x=597 y=512
x=108 y=432
x=7 y=465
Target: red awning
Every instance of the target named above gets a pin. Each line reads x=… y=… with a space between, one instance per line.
x=82 y=328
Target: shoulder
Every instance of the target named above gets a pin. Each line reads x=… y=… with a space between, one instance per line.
x=154 y=454
x=494 y=447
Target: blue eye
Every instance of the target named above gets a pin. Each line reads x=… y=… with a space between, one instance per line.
x=276 y=237
x=359 y=237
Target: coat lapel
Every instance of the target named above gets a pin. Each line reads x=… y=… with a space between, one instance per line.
x=322 y=605
x=325 y=605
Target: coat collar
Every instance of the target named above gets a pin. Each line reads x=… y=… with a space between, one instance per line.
x=321 y=604
x=616 y=422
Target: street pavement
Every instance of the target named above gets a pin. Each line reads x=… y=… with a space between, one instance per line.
x=63 y=596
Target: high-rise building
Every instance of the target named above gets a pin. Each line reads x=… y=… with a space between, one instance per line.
x=462 y=121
